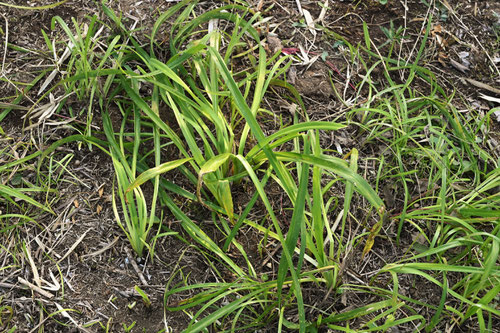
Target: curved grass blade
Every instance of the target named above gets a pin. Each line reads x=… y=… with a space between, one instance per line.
x=15 y=193
x=339 y=167
x=153 y=172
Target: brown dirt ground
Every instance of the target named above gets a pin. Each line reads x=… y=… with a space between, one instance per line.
x=99 y=286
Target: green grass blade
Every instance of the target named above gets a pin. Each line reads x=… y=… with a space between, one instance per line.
x=156 y=171
x=339 y=167
x=16 y=193
x=44 y=7
x=241 y=104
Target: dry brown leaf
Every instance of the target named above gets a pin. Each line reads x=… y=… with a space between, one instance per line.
x=260 y=5
x=76 y=203
x=371 y=238
x=442 y=42
x=442 y=58
x=437 y=29
x=98 y=209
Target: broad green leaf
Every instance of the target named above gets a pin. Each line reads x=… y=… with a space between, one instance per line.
x=213 y=164
x=222 y=189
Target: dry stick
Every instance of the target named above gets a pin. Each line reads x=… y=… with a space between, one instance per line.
x=36 y=276
x=136 y=268
x=299 y=6
x=39 y=325
x=83 y=329
x=66 y=315
x=7 y=250
x=52 y=226
x=381 y=58
x=73 y=247
x=483 y=86
x=9 y=285
x=44 y=248
x=35 y=288
x=271 y=255
x=104 y=249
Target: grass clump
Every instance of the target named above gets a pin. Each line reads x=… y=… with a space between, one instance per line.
x=209 y=107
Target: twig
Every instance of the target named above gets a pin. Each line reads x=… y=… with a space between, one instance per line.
x=104 y=249
x=34 y=269
x=35 y=288
x=292 y=50
x=299 y=6
x=73 y=247
x=136 y=268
